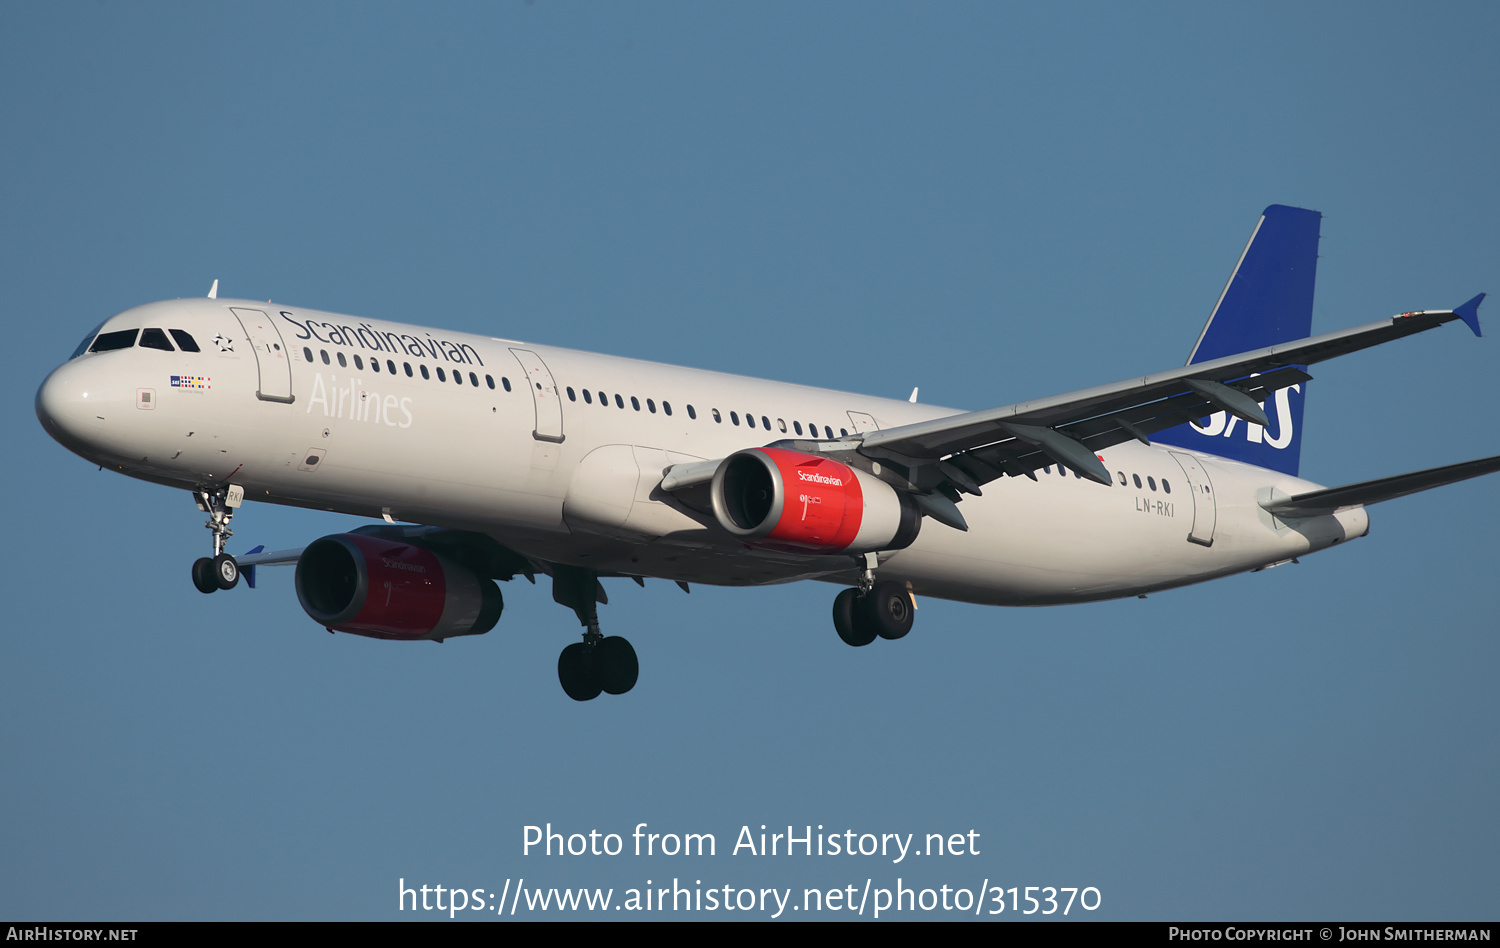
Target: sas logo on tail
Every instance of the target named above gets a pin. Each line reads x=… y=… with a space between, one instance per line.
x=1223 y=423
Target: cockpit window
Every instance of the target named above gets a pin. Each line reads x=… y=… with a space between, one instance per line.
x=120 y=339
x=84 y=345
x=155 y=339
x=184 y=342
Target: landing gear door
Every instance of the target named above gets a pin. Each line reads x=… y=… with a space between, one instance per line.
x=549 y=423
x=270 y=355
x=1205 y=511
x=862 y=422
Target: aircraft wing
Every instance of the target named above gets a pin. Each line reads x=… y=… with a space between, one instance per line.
x=964 y=451
x=1319 y=502
x=275 y=558
x=481 y=552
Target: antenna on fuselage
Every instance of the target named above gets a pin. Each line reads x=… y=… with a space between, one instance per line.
x=913 y=398
x=213 y=291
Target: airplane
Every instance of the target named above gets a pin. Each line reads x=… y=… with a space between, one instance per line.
x=484 y=458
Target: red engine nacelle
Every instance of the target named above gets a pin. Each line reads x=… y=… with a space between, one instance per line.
x=389 y=590
x=774 y=497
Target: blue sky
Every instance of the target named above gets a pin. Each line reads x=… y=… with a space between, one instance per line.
x=993 y=202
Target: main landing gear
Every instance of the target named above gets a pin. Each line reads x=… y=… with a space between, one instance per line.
x=874 y=610
x=599 y=663
x=220 y=571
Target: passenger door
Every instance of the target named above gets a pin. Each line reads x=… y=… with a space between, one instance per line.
x=270 y=355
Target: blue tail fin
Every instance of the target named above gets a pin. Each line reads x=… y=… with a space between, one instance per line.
x=1268 y=300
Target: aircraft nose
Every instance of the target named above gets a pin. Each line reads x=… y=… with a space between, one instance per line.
x=66 y=407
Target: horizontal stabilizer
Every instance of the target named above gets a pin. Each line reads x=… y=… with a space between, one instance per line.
x=1319 y=502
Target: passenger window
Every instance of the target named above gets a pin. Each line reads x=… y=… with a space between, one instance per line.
x=474 y=380
x=587 y=398
x=572 y=397
x=490 y=381
x=619 y=402
x=1137 y=479
x=651 y=406
x=359 y=363
x=1121 y=476
x=407 y=367
x=692 y=413
x=734 y=417
x=1165 y=486
x=765 y=422
x=155 y=339
x=1152 y=482
x=666 y=407
x=375 y=365
x=185 y=342
x=423 y=367
x=442 y=376
x=343 y=363
x=828 y=431
x=635 y=403
x=326 y=360
x=307 y=353
x=718 y=419
x=391 y=367
x=843 y=432
x=749 y=419
x=781 y=423
x=110 y=341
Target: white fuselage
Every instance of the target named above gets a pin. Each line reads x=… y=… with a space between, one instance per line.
x=559 y=476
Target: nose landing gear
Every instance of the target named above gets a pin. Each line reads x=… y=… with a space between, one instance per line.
x=599 y=663
x=220 y=571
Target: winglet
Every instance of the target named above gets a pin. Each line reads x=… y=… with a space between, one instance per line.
x=1469 y=313
x=213 y=291
x=249 y=571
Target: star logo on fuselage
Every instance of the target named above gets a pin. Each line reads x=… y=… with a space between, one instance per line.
x=224 y=343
